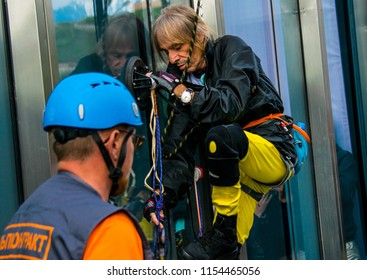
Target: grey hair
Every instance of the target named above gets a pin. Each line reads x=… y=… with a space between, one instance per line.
x=119 y=28
x=176 y=24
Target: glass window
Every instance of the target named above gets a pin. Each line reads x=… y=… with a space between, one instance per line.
x=101 y=36
x=349 y=180
x=9 y=193
x=290 y=214
x=360 y=62
x=75 y=32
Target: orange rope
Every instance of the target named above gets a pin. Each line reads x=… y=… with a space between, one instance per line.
x=278 y=117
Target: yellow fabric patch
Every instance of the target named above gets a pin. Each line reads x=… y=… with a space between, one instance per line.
x=212 y=147
x=225 y=199
x=262 y=162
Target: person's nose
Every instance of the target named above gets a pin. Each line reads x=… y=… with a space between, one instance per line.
x=173 y=56
x=121 y=62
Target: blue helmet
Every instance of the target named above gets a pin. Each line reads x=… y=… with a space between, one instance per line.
x=90 y=101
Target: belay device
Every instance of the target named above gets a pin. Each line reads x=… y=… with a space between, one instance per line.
x=135 y=78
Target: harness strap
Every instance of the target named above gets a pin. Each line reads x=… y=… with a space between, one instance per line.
x=278 y=117
x=254 y=194
x=302 y=132
x=263 y=119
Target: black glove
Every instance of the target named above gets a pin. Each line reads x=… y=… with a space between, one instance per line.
x=150 y=207
x=165 y=80
x=169 y=201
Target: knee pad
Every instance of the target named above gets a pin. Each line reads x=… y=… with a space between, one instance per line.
x=225 y=145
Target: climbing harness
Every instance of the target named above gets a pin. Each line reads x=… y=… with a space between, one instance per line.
x=299 y=135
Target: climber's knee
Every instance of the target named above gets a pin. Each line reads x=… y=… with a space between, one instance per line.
x=225 y=146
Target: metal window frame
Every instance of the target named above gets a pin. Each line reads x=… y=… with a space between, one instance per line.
x=34 y=72
x=322 y=131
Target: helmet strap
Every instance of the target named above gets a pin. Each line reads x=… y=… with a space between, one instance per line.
x=115 y=171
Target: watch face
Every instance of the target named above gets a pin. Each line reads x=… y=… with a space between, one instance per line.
x=186 y=97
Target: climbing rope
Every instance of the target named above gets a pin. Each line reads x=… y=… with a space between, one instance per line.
x=156 y=173
x=192 y=42
x=183 y=78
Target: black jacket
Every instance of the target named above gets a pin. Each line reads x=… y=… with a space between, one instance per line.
x=236 y=90
x=90 y=63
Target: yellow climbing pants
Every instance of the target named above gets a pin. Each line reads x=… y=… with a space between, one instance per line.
x=262 y=163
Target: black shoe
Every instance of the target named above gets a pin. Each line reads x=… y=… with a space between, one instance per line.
x=218 y=244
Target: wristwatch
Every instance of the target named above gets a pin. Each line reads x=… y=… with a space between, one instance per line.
x=186 y=96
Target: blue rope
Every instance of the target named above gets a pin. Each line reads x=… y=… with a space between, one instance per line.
x=158 y=197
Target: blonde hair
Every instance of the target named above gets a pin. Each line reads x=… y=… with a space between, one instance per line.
x=176 y=24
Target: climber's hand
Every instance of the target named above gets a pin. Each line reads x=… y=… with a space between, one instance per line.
x=150 y=213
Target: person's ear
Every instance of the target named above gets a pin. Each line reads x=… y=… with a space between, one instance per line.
x=118 y=138
x=112 y=144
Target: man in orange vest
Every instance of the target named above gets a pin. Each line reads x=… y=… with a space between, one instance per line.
x=92 y=118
